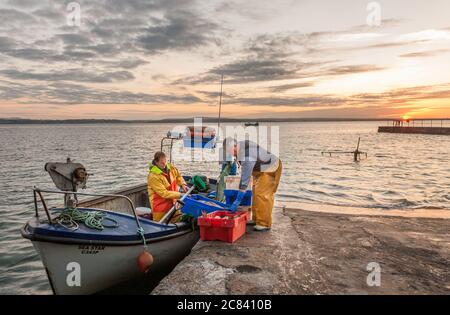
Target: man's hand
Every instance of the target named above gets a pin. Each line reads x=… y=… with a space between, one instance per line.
x=234 y=207
x=184 y=187
x=237 y=202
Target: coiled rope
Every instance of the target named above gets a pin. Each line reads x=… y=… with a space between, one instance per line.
x=71 y=217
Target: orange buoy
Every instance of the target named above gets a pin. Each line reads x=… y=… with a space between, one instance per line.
x=144 y=261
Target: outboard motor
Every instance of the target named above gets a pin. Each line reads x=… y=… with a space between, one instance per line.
x=68 y=176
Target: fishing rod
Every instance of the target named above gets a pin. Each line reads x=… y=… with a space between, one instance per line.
x=220 y=108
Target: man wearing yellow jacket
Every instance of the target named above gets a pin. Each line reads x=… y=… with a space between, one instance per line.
x=163 y=181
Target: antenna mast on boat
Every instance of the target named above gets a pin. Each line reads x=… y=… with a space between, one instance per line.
x=220 y=108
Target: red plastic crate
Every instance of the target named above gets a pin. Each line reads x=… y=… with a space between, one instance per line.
x=227 y=230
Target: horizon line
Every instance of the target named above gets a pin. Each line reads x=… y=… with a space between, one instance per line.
x=18 y=120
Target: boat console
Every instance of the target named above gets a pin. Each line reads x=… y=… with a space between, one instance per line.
x=68 y=176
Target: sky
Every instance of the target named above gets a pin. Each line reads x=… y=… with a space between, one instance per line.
x=154 y=59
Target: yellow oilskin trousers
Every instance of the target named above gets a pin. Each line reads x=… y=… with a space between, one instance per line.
x=265 y=184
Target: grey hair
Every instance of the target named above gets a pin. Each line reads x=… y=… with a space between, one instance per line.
x=229 y=142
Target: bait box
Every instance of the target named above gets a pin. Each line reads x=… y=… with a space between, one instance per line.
x=222 y=229
x=196 y=204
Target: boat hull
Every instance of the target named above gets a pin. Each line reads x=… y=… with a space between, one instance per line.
x=92 y=268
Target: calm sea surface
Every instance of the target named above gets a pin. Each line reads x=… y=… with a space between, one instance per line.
x=402 y=171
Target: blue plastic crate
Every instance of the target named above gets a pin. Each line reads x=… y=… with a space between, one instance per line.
x=231 y=194
x=194 y=205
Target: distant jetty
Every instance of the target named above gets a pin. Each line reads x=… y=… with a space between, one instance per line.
x=430 y=127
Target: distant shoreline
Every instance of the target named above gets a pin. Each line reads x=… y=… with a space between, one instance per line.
x=21 y=121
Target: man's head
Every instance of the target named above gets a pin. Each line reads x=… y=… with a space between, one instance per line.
x=230 y=147
x=160 y=160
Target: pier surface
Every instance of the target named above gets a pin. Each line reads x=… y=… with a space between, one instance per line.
x=420 y=130
x=315 y=252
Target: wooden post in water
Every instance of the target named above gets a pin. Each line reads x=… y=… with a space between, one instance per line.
x=356 y=153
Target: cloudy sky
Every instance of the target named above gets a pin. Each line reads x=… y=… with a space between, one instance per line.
x=151 y=59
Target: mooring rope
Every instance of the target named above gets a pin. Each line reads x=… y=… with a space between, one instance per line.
x=140 y=231
x=71 y=217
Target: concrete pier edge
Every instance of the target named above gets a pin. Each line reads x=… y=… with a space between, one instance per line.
x=318 y=252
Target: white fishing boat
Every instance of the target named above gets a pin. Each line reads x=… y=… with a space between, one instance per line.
x=119 y=246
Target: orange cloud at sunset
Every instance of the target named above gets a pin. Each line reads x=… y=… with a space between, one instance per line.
x=290 y=59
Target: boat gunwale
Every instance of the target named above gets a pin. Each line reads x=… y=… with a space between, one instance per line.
x=177 y=229
x=127 y=191
x=94 y=200
x=76 y=241
x=182 y=228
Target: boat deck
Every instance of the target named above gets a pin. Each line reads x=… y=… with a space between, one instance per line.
x=126 y=229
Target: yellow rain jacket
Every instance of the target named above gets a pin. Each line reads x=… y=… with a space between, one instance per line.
x=163 y=189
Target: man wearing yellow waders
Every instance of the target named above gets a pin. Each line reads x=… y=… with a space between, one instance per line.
x=266 y=169
x=163 y=181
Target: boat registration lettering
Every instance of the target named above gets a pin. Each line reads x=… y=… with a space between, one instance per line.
x=91 y=249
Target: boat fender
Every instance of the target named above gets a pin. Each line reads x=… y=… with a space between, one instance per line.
x=145 y=261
